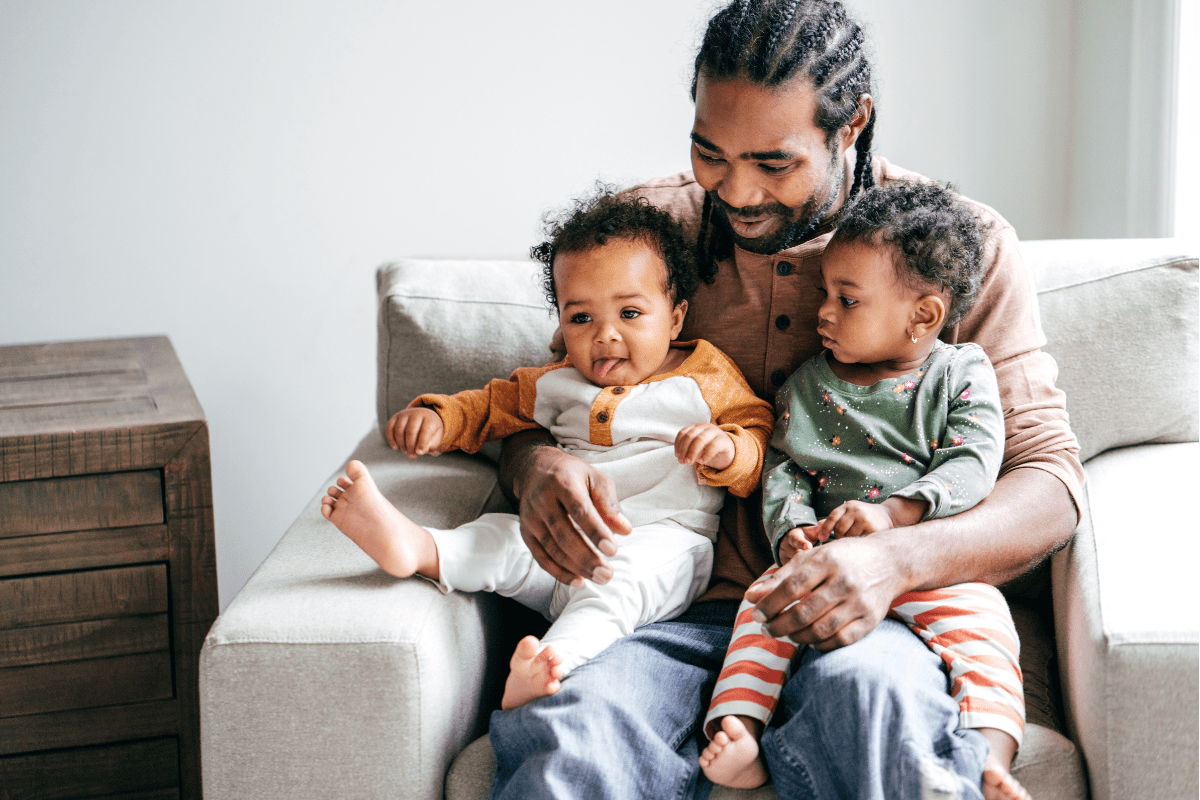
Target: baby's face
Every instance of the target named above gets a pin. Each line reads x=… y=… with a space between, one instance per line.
x=867 y=310
x=614 y=312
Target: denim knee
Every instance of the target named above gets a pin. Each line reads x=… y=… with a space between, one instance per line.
x=862 y=720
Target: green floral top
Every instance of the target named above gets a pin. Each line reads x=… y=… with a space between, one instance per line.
x=936 y=434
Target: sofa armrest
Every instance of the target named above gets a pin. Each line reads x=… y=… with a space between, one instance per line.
x=1124 y=607
x=326 y=677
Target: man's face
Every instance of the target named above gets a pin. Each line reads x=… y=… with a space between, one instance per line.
x=762 y=158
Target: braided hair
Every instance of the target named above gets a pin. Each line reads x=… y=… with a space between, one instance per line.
x=770 y=42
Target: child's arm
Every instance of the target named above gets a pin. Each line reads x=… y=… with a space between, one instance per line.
x=472 y=418
x=787 y=502
x=966 y=461
x=740 y=419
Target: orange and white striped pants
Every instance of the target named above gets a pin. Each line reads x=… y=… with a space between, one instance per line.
x=967 y=625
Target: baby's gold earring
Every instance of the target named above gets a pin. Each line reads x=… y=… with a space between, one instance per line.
x=913 y=335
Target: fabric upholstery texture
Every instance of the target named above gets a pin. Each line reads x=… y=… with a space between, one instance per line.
x=1125 y=609
x=327 y=678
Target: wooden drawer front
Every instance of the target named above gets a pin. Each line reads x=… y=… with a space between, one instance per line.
x=146 y=770
x=83 y=502
x=84 y=640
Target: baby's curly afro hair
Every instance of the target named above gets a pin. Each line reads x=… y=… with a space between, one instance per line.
x=938 y=238
x=594 y=220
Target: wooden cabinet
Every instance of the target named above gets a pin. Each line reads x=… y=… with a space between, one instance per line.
x=108 y=580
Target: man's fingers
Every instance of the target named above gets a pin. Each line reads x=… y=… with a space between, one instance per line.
x=549 y=555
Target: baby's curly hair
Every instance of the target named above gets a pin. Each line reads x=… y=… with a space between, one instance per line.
x=938 y=238
x=594 y=220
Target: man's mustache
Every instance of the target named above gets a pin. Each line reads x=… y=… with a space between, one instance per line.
x=774 y=209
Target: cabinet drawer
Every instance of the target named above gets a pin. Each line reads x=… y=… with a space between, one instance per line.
x=146 y=770
x=81 y=502
x=84 y=640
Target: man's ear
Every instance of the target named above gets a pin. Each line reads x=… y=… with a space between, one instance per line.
x=850 y=132
x=929 y=315
x=677 y=315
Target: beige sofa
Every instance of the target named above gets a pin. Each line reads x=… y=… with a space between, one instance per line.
x=326 y=678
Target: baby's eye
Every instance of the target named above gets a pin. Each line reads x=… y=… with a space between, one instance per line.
x=848 y=302
x=580 y=318
x=630 y=313
x=821 y=291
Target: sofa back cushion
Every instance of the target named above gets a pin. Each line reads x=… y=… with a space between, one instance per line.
x=1119 y=317
x=446 y=326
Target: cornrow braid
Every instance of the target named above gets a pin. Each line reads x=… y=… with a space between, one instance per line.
x=771 y=42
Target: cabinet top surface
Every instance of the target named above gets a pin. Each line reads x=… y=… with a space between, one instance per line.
x=63 y=387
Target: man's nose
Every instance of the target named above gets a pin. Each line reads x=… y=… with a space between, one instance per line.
x=740 y=188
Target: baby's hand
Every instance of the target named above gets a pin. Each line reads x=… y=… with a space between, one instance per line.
x=416 y=431
x=704 y=444
x=796 y=540
x=855 y=518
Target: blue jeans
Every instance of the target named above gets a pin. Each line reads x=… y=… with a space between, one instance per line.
x=872 y=720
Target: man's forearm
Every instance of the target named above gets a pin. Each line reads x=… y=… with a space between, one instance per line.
x=516 y=458
x=1028 y=515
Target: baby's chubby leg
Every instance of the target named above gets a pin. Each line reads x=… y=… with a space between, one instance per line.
x=359 y=510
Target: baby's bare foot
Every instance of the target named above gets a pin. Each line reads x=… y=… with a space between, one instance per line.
x=533 y=673
x=733 y=757
x=359 y=510
x=999 y=784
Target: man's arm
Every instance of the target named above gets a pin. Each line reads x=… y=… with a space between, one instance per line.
x=851 y=583
x=559 y=497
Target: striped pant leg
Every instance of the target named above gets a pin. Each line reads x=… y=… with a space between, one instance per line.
x=755 y=669
x=971 y=629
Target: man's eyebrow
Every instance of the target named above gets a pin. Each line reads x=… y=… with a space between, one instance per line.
x=761 y=155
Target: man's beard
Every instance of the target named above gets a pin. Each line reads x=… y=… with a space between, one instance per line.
x=798 y=223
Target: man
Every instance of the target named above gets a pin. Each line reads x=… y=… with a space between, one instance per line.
x=781 y=140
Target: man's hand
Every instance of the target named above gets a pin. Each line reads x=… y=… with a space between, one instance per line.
x=704 y=444
x=562 y=500
x=416 y=431
x=849 y=583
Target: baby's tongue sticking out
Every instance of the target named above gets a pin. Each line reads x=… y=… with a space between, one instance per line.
x=604 y=366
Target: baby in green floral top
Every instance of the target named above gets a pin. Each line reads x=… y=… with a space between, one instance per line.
x=888 y=427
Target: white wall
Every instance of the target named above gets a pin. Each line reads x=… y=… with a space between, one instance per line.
x=231 y=173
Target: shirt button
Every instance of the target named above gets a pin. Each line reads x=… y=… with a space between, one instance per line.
x=777 y=377
x=618 y=390
x=602 y=416
x=782 y=322
x=783 y=268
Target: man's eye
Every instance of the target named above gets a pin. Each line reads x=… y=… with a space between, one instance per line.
x=630 y=313
x=772 y=169
x=708 y=159
x=580 y=319
x=849 y=302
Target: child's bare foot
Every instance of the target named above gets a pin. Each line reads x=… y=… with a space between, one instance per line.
x=733 y=757
x=998 y=782
x=359 y=510
x=533 y=673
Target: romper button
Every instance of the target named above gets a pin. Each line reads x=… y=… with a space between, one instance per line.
x=782 y=322
x=602 y=416
x=619 y=390
x=777 y=377
x=783 y=268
